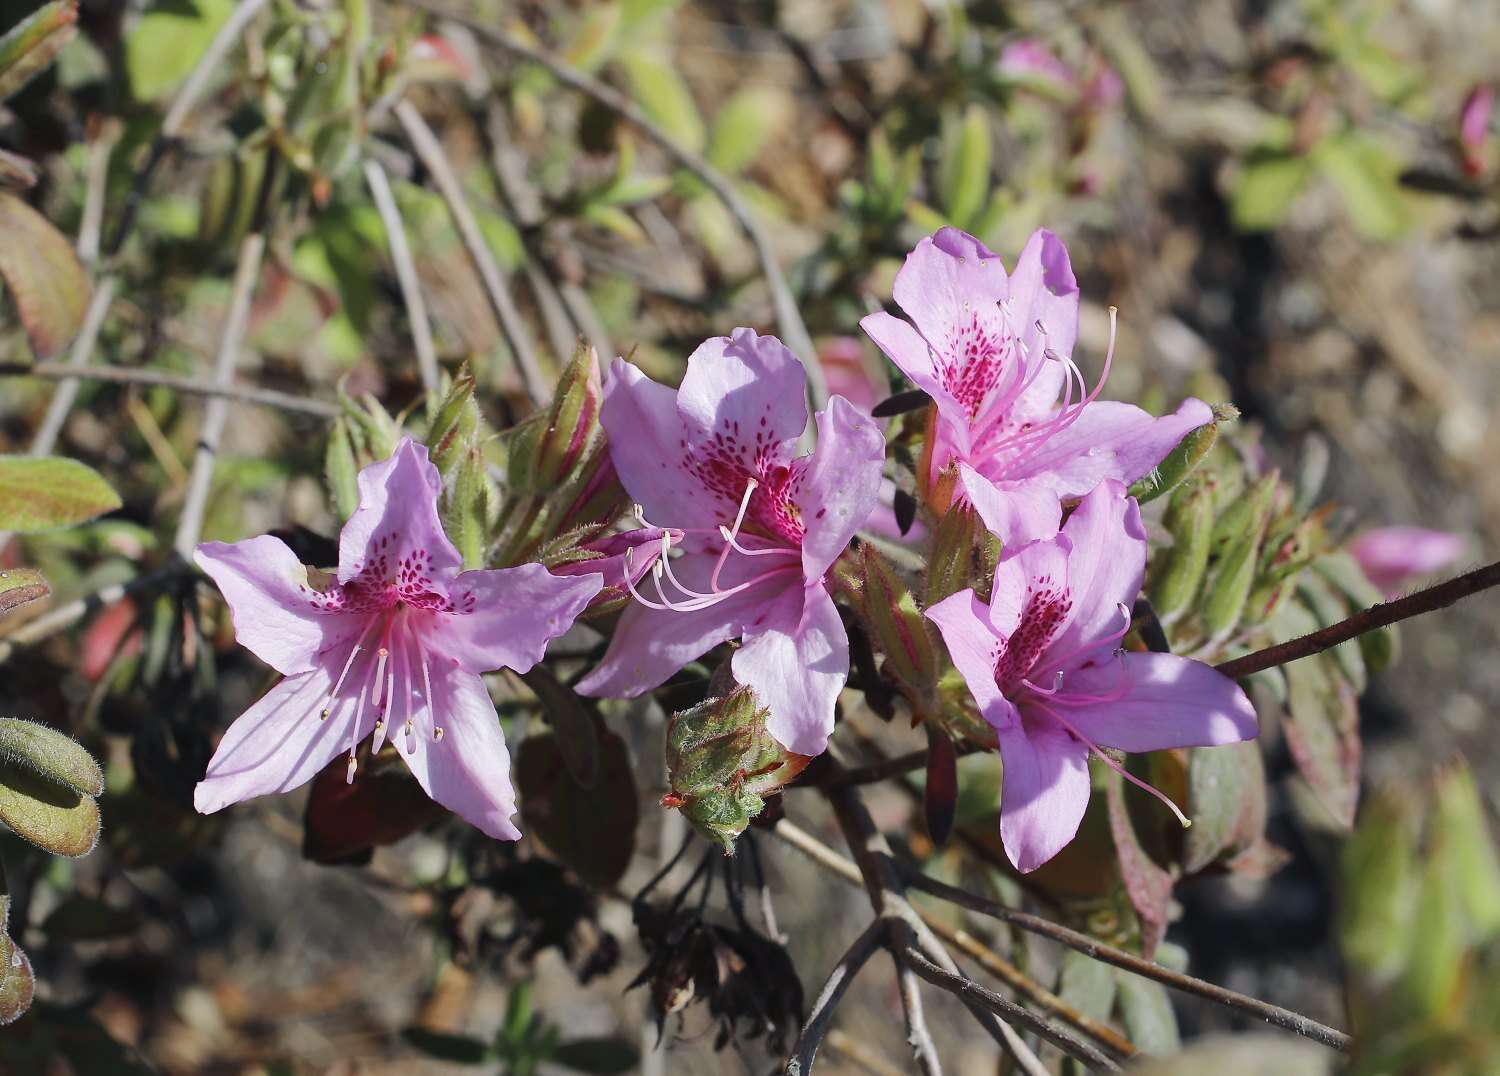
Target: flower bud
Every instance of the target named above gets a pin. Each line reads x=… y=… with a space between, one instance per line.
x=1190 y=519
x=573 y=421
x=898 y=629
x=722 y=763
x=466 y=508
x=1238 y=536
x=1180 y=463
x=959 y=544
x=453 y=426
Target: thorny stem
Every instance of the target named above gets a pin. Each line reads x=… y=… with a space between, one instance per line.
x=788 y=319
x=124 y=375
x=811 y=1037
x=1377 y=616
x=512 y=326
x=406 y=273
x=1091 y=947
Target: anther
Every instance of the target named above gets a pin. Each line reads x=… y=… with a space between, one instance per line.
x=437 y=733
x=353 y=764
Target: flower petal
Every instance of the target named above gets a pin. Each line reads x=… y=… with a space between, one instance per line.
x=279 y=744
x=964 y=623
x=746 y=394
x=1106 y=563
x=1109 y=440
x=1015 y=512
x=467 y=770
x=839 y=485
x=1169 y=701
x=797 y=665
x=649 y=443
x=1390 y=556
x=905 y=347
x=947 y=278
x=396 y=524
x=268 y=595
x=1043 y=793
x=1043 y=289
x=649 y=645
x=516 y=612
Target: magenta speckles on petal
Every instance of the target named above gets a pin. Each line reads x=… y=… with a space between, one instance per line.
x=391 y=649
x=716 y=463
x=1043 y=664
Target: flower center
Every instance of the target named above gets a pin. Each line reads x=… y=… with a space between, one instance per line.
x=688 y=599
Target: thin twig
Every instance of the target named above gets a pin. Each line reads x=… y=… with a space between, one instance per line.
x=1377 y=616
x=216 y=411
x=969 y=990
x=130 y=375
x=406 y=273
x=65 y=616
x=876 y=867
x=517 y=336
x=788 y=319
x=800 y=1063
x=45 y=439
x=1091 y=947
x=918 y=1035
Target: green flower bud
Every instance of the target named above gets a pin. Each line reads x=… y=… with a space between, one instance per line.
x=898 y=628
x=1180 y=463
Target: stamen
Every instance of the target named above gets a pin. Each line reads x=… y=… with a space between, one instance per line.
x=381 y=655
x=1112 y=764
x=437 y=733
x=353 y=653
x=1063 y=660
x=750 y=488
x=770 y=551
x=353 y=765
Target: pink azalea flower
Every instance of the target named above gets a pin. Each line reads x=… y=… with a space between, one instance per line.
x=1028 y=60
x=995 y=353
x=716 y=460
x=1391 y=556
x=1041 y=662
x=391 y=647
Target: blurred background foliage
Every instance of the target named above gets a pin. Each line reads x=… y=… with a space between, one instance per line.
x=1295 y=205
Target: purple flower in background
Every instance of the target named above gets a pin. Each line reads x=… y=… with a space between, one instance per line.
x=995 y=354
x=1474 y=125
x=1041 y=660
x=715 y=460
x=391 y=647
x=1391 y=556
x=622 y=559
x=1028 y=60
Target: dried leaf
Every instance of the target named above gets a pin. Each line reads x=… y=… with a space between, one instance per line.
x=591 y=831
x=1147 y=884
x=575 y=721
x=940 y=794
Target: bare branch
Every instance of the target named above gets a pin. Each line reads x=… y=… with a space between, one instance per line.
x=45 y=439
x=1091 y=947
x=65 y=616
x=1377 y=616
x=918 y=1035
x=209 y=65
x=968 y=990
x=126 y=375
x=247 y=272
x=406 y=273
x=788 y=318
x=800 y=1062
x=517 y=336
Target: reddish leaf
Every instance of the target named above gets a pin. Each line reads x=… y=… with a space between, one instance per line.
x=43 y=274
x=940 y=798
x=19 y=586
x=345 y=821
x=1147 y=884
x=591 y=831
x=1322 y=732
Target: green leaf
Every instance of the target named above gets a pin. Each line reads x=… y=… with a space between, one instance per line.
x=1218 y=782
x=32 y=44
x=459 y=1049
x=1322 y=732
x=19 y=586
x=1146 y=1011
x=1087 y=984
x=744 y=124
x=965 y=182
x=51 y=754
x=341 y=469
x=38 y=494
x=664 y=96
x=1475 y=870
x=164 y=46
x=1381 y=884
x=1266 y=188
x=49 y=815
x=596 y=37
x=1368 y=178
x=44 y=276
x=602 y=1056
